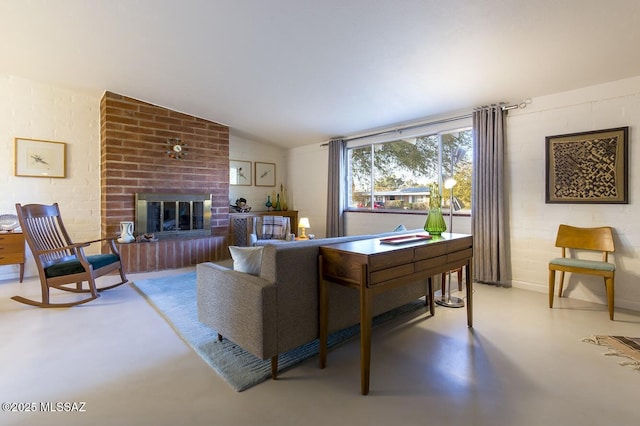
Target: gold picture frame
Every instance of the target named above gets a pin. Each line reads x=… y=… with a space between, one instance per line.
x=265 y=174
x=39 y=158
x=588 y=167
x=239 y=173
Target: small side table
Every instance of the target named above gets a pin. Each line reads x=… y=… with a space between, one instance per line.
x=12 y=250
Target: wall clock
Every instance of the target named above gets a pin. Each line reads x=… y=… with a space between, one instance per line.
x=176 y=148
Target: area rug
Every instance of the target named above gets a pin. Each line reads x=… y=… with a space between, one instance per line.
x=174 y=297
x=627 y=347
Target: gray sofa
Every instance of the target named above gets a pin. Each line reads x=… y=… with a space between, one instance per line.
x=277 y=311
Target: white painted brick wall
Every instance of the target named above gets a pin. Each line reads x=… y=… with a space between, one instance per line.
x=533 y=224
x=35 y=110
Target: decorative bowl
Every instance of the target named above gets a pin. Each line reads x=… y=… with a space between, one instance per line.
x=8 y=222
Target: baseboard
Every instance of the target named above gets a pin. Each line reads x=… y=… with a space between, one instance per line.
x=579 y=294
x=6 y=273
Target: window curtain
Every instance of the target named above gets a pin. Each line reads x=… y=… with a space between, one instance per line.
x=488 y=217
x=335 y=200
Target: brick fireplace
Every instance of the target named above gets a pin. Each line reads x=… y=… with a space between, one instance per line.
x=136 y=140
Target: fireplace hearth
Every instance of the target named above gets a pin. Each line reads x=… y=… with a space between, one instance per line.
x=168 y=215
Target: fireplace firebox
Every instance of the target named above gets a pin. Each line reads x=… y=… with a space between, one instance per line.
x=173 y=215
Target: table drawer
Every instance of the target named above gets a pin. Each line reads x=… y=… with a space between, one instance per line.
x=462 y=254
x=11 y=248
x=8 y=259
x=461 y=244
x=388 y=260
x=12 y=242
x=423 y=265
x=383 y=275
x=429 y=251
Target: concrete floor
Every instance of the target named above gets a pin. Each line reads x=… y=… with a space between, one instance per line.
x=521 y=364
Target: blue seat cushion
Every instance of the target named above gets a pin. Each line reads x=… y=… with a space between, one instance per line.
x=75 y=267
x=581 y=263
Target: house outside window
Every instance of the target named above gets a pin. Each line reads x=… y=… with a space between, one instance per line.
x=396 y=175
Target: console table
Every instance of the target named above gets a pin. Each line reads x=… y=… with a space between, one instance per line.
x=12 y=250
x=372 y=267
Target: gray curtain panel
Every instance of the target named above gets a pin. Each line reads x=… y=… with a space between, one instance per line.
x=335 y=203
x=488 y=213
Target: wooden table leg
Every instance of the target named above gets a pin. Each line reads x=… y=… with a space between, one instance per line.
x=431 y=296
x=469 y=295
x=324 y=317
x=366 y=300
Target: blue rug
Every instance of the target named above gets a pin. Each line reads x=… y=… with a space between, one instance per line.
x=174 y=297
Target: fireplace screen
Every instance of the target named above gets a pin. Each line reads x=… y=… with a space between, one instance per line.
x=173 y=215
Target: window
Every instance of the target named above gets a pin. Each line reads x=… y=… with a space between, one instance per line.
x=396 y=175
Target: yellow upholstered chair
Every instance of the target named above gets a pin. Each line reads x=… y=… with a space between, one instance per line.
x=581 y=239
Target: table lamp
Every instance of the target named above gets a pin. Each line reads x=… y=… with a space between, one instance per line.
x=303 y=224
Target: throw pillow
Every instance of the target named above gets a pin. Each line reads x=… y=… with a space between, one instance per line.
x=246 y=259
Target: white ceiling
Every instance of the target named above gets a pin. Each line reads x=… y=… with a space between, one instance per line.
x=296 y=72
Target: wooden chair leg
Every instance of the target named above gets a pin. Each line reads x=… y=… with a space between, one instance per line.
x=45 y=292
x=552 y=284
x=444 y=279
x=608 y=283
x=274 y=367
x=561 y=288
x=92 y=287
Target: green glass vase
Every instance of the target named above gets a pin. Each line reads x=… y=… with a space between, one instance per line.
x=435 y=224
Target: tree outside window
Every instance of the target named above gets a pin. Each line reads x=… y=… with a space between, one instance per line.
x=397 y=175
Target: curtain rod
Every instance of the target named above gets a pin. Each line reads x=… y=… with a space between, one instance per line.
x=505 y=107
x=401 y=129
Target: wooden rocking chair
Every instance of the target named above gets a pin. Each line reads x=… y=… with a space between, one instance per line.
x=61 y=262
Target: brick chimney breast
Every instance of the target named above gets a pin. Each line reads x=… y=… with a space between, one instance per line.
x=134 y=159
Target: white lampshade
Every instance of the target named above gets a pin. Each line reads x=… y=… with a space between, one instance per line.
x=304 y=223
x=449 y=182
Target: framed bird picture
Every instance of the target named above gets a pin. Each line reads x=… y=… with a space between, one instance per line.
x=265 y=174
x=240 y=172
x=39 y=158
